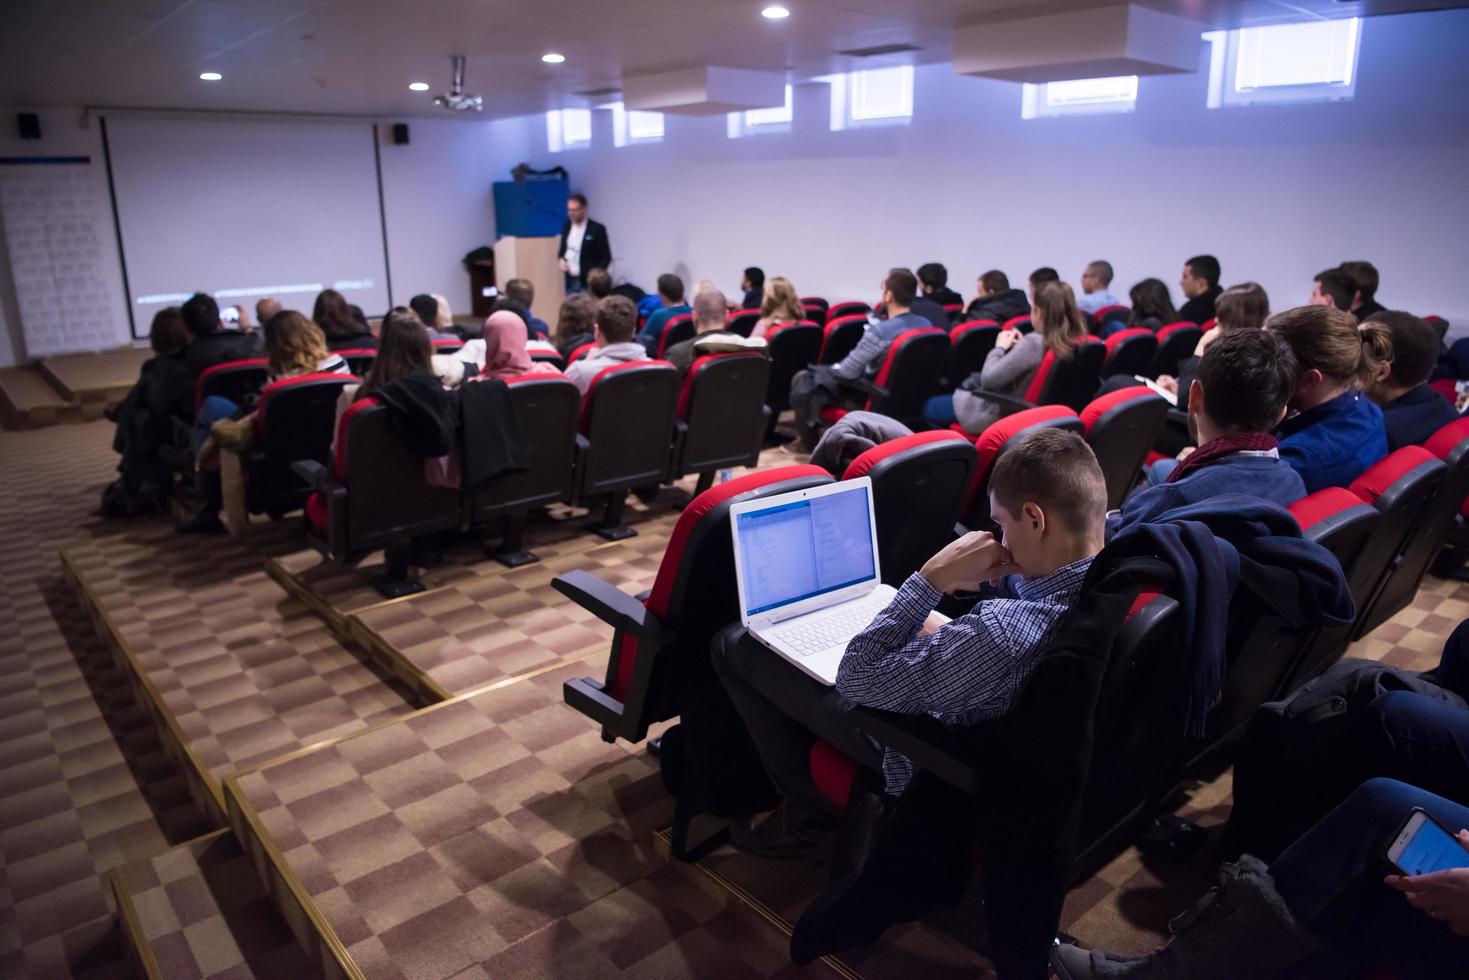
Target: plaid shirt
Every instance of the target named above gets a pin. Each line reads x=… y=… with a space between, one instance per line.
x=967 y=671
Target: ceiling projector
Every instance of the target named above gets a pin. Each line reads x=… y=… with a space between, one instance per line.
x=456 y=99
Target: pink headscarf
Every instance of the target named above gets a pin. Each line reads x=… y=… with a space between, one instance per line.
x=505 y=353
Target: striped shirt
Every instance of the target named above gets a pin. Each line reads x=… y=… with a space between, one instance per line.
x=967 y=671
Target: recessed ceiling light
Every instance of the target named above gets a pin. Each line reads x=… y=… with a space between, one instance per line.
x=418 y=86
x=552 y=58
x=775 y=12
x=210 y=76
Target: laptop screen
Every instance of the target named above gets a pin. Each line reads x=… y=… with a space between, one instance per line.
x=801 y=549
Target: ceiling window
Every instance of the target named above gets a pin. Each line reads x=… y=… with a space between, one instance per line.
x=1078 y=97
x=635 y=125
x=875 y=97
x=776 y=119
x=568 y=129
x=1311 y=62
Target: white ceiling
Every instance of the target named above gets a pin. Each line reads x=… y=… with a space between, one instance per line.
x=358 y=56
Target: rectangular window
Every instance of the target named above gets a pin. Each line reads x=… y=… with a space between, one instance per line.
x=875 y=97
x=1081 y=96
x=568 y=129
x=635 y=125
x=1311 y=62
x=776 y=119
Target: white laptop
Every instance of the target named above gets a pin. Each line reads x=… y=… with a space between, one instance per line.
x=807 y=568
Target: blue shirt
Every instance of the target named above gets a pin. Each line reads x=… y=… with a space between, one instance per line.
x=654 y=327
x=867 y=356
x=1330 y=445
x=1092 y=302
x=966 y=671
x=538 y=327
x=1415 y=415
x=1251 y=474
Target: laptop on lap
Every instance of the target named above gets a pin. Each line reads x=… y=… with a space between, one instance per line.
x=807 y=567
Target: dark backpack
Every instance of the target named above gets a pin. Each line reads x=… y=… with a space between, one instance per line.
x=1320 y=712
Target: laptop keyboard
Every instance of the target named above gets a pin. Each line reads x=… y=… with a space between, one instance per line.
x=828 y=628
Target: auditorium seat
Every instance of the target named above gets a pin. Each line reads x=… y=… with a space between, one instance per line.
x=991 y=443
x=1116 y=312
x=1443 y=444
x=721 y=417
x=849 y=308
x=909 y=374
x=623 y=437
x=815 y=308
x=581 y=352
x=742 y=322
x=548 y=407
x=1071 y=382
x=1412 y=487
x=1439 y=324
x=792 y=348
x=391 y=506
x=919 y=485
x=676 y=330
x=447 y=345
x=1121 y=427
x=969 y=344
x=235 y=380
x=542 y=355
x=1130 y=352
x=953 y=310
x=1176 y=342
x=1021 y=323
x=293 y=421
x=660 y=644
x=359 y=360
x=840 y=335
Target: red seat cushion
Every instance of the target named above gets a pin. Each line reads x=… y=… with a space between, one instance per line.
x=863 y=464
x=832 y=414
x=1381 y=475
x=1323 y=504
x=1154 y=457
x=1098 y=407
x=1038 y=382
x=315 y=505
x=994 y=438
x=832 y=772
x=316 y=511
x=1444 y=441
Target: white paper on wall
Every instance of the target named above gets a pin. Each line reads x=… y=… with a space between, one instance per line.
x=51 y=215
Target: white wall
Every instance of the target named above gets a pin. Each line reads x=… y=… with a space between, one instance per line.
x=1277 y=192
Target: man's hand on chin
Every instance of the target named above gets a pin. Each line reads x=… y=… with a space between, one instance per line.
x=963 y=564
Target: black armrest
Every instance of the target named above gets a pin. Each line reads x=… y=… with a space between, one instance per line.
x=592 y=700
x=1178 y=417
x=865 y=385
x=927 y=742
x=1009 y=404
x=314 y=473
x=608 y=603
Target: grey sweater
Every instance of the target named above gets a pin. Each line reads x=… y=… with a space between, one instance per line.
x=1005 y=372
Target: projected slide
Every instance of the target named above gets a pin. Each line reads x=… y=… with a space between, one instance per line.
x=246 y=209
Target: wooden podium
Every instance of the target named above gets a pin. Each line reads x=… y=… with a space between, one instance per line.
x=533 y=259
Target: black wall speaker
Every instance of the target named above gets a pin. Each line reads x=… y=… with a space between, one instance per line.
x=30 y=125
x=400 y=133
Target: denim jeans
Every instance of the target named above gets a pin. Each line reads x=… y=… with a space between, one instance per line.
x=939 y=411
x=1331 y=879
x=215 y=408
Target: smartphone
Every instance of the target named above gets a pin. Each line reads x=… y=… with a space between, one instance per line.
x=1422 y=845
x=230 y=314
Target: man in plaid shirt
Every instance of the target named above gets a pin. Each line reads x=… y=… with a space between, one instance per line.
x=1049 y=498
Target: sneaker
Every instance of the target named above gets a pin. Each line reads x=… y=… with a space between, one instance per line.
x=779 y=837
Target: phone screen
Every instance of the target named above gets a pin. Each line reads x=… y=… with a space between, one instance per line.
x=1431 y=848
x=230 y=314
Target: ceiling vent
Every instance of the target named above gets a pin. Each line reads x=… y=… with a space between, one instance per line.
x=878 y=49
x=710 y=90
x=456 y=99
x=1095 y=43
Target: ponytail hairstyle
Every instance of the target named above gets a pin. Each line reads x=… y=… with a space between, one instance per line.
x=1329 y=340
x=780 y=302
x=1056 y=317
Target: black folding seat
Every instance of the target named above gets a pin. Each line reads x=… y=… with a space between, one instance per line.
x=954 y=312
x=1402 y=487
x=542 y=355
x=1021 y=323
x=849 y=308
x=1451 y=446
x=1121 y=426
x=447 y=345
x=392 y=504
x=721 y=417
x=992 y=442
x=1071 y=381
x=742 y=322
x=548 y=407
x=919 y=485
x=1446 y=444
x=676 y=330
x=1113 y=314
x=359 y=360
x=1130 y=352
x=792 y=348
x=909 y=375
x=235 y=380
x=660 y=644
x=623 y=437
x=840 y=335
x=584 y=350
x=969 y=344
x=815 y=308
x=293 y=421
x=1176 y=342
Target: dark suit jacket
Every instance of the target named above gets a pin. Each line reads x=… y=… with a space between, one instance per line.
x=596 y=248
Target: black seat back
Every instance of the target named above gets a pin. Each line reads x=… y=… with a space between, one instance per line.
x=293 y=420
x=627 y=427
x=792 y=348
x=721 y=412
x=1402 y=488
x=910 y=372
x=840 y=335
x=388 y=499
x=742 y=322
x=969 y=344
x=1073 y=380
x=1121 y=427
x=675 y=331
x=548 y=406
x=1176 y=342
x=235 y=380
x=1130 y=352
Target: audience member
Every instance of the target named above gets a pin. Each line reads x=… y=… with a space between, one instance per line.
x=996 y=300
x=1364 y=274
x=574 y=322
x=671 y=300
x=1234 y=405
x=925 y=308
x=505 y=355
x=1200 y=285
x=1152 y=307
x=1040 y=277
x=933 y=280
x=820 y=385
x=753 y=287
x=265 y=308
x=523 y=292
x=1335 y=432
x=1411 y=411
x=1096 y=287
x=405 y=349
x=616 y=322
x=1242 y=307
x=211 y=344
x=343 y=330
x=1049 y=498
x=145 y=421
x=1333 y=287
x=781 y=304
x=710 y=337
x=1322 y=909
x=427 y=309
x=584 y=244
x=1057 y=327
x=599 y=283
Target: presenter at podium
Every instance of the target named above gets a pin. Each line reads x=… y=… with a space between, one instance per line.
x=584 y=244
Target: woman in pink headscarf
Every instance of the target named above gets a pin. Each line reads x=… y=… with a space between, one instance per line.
x=505 y=353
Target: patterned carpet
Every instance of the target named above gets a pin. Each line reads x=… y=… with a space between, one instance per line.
x=495 y=835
